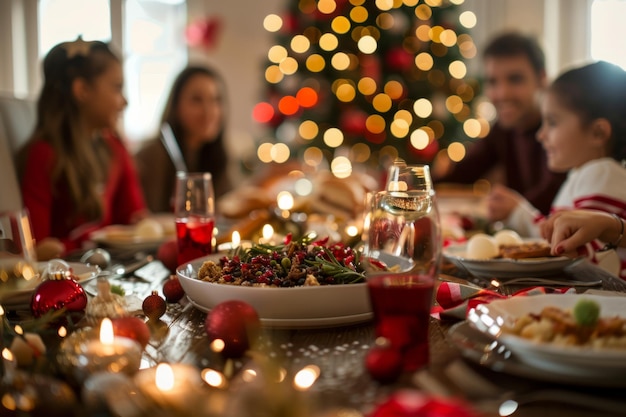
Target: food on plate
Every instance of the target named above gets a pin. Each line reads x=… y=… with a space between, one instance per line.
x=525 y=250
x=295 y=263
x=149 y=229
x=505 y=245
x=482 y=246
x=580 y=326
x=508 y=237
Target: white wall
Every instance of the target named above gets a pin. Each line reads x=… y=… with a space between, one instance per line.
x=240 y=57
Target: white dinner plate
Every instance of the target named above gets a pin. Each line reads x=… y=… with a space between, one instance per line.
x=307 y=306
x=125 y=237
x=83 y=274
x=479 y=348
x=503 y=267
x=572 y=361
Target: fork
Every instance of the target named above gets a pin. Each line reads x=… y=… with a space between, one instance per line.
x=547 y=281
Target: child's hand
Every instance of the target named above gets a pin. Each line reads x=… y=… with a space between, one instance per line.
x=501 y=202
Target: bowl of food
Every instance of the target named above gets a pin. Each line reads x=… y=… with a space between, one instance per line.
x=289 y=286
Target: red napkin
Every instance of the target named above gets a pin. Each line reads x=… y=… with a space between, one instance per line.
x=455 y=300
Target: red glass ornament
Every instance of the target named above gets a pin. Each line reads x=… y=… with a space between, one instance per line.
x=236 y=323
x=56 y=293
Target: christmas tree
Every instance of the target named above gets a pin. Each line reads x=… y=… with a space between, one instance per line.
x=366 y=81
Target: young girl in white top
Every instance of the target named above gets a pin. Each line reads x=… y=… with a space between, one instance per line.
x=583 y=133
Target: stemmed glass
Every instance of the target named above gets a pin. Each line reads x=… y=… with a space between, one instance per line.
x=404 y=220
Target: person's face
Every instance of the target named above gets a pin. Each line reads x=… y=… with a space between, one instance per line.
x=512 y=86
x=568 y=144
x=200 y=108
x=102 y=100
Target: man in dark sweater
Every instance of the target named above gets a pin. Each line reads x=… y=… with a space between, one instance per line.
x=514 y=78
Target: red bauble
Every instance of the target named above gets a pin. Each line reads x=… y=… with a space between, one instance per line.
x=411 y=403
x=399 y=60
x=154 y=306
x=384 y=363
x=168 y=254
x=236 y=323
x=173 y=290
x=132 y=328
x=58 y=293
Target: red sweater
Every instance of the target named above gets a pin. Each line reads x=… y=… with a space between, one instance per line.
x=50 y=206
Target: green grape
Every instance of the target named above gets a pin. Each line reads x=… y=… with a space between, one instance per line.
x=586 y=312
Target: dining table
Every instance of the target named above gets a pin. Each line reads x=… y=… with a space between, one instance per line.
x=456 y=371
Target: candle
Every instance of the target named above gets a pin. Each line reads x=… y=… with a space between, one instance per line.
x=235 y=239
x=172 y=386
x=235 y=243
x=9 y=364
x=268 y=234
x=82 y=354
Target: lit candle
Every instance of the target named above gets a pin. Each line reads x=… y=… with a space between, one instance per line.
x=10 y=365
x=235 y=239
x=85 y=355
x=268 y=233
x=235 y=242
x=172 y=386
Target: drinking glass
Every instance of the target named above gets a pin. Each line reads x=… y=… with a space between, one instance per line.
x=18 y=266
x=403 y=221
x=404 y=225
x=194 y=211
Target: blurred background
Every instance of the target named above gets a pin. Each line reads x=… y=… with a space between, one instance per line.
x=157 y=38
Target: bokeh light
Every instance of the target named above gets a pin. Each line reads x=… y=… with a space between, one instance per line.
x=272 y=23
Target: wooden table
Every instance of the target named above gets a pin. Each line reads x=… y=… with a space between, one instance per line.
x=339 y=352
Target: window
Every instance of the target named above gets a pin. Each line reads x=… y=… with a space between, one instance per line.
x=153 y=47
x=608 y=31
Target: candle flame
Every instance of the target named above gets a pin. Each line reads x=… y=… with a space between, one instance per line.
x=236 y=238
x=306 y=377
x=18 y=329
x=106 y=332
x=164 y=377
x=1 y=311
x=284 y=200
x=268 y=232
x=7 y=354
x=62 y=331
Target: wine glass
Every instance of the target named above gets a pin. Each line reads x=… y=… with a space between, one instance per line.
x=404 y=220
x=194 y=211
x=18 y=266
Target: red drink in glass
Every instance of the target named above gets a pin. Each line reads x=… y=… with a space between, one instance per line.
x=401 y=305
x=195 y=238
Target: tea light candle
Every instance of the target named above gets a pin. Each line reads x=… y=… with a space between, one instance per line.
x=174 y=386
x=268 y=234
x=235 y=243
x=86 y=355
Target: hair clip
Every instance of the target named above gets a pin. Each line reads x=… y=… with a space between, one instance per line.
x=77 y=48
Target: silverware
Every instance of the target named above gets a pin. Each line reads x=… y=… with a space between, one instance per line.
x=545 y=281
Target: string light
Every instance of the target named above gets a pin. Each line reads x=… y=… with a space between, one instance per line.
x=412 y=89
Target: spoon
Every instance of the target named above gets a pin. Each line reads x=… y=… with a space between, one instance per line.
x=98 y=257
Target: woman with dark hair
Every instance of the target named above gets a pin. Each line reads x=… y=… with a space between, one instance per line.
x=76 y=175
x=195 y=111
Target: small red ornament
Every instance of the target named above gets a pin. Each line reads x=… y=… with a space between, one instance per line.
x=59 y=291
x=172 y=290
x=236 y=323
x=154 y=306
x=384 y=363
x=412 y=403
x=168 y=254
x=132 y=328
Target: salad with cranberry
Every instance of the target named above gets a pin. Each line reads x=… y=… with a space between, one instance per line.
x=294 y=263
